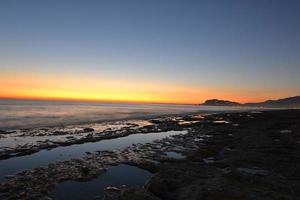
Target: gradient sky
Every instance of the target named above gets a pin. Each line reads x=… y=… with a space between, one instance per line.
x=154 y=51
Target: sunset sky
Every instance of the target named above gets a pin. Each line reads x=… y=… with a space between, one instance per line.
x=150 y=51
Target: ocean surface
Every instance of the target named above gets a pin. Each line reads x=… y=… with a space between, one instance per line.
x=15 y=114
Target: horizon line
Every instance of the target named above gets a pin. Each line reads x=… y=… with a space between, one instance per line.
x=118 y=101
x=90 y=100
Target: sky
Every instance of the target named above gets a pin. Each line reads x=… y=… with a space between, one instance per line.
x=150 y=51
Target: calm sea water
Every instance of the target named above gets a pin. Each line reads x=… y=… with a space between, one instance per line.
x=26 y=114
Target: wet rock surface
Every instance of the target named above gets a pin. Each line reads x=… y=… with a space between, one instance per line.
x=248 y=157
x=28 y=141
x=125 y=193
x=247 y=162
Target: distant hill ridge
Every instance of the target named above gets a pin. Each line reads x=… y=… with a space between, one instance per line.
x=286 y=102
x=217 y=102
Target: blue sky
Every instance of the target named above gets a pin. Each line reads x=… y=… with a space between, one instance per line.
x=229 y=45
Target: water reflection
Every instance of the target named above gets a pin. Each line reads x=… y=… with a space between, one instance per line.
x=44 y=157
x=115 y=176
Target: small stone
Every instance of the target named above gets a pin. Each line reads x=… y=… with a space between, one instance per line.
x=285 y=131
x=86 y=130
x=254 y=171
x=209 y=160
x=85 y=170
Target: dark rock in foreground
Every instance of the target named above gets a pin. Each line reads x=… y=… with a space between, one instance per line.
x=124 y=193
x=259 y=160
x=252 y=156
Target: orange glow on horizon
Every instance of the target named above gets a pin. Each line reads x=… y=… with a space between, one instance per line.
x=62 y=87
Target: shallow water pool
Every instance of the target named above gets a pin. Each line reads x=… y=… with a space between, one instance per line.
x=115 y=176
x=44 y=157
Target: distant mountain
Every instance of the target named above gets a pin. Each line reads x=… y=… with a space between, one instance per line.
x=286 y=102
x=217 y=102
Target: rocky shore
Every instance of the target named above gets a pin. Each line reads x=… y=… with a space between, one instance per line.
x=28 y=141
x=254 y=155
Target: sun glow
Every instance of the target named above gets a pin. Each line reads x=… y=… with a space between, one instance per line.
x=94 y=88
x=41 y=86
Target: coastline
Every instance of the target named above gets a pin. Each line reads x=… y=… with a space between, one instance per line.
x=236 y=149
x=89 y=134
x=20 y=115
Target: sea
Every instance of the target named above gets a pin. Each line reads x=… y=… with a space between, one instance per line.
x=16 y=114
